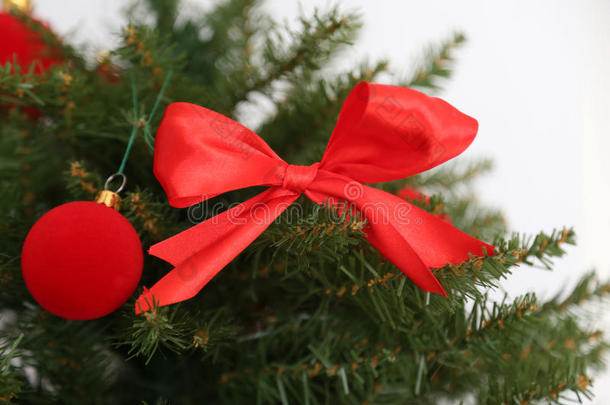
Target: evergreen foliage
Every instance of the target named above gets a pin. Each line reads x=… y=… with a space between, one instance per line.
x=309 y=313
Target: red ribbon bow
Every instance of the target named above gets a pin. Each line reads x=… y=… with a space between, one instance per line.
x=383 y=133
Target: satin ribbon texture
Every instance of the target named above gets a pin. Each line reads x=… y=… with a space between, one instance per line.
x=383 y=133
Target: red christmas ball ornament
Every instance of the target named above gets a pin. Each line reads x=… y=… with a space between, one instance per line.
x=26 y=46
x=21 y=42
x=82 y=260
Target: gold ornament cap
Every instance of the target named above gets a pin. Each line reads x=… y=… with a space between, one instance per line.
x=21 y=5
x=109 y=199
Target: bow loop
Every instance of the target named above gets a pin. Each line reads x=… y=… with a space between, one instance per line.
x=387 y=133
x=200 y=153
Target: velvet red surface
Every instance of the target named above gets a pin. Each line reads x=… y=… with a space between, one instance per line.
x=23 y=43
x=82 y=260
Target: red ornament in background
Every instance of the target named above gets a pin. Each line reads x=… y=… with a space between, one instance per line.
x=413 y=194
x=20 y=41
x=82 y=260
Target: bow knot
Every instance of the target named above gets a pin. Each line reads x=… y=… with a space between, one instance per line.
x=383 y=133
x=298 y=178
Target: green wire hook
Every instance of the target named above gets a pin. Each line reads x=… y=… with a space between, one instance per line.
x=134 y=129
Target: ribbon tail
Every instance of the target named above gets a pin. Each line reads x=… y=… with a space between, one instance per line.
x=392 y=245
x=415 y=240
x=409 y=237
x=436 y=241
x=200 y=252
x=382 y=231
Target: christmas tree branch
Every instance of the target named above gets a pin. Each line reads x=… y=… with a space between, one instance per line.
x=436 y=64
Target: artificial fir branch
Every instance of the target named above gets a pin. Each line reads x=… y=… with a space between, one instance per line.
x=436 y=64
x=448 y=176
x=445 y=361
x=144 y=48
x=10 y=381
x=82 y=184
x=315 y=40
x=159 y=327
x=482 y=223
x=588 y=288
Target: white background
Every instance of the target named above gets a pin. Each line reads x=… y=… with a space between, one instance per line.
x=536 y=74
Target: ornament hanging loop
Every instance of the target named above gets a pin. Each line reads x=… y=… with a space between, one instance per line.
x=111 y=179
x=111 y=198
